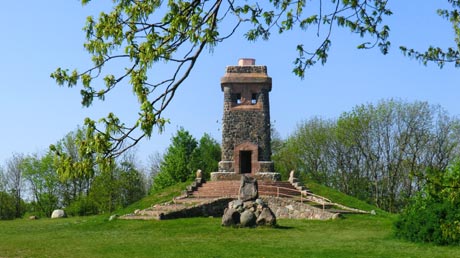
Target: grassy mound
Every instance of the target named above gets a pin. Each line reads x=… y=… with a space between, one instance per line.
x=341 y=198
x=353 y=236
x=157 y=197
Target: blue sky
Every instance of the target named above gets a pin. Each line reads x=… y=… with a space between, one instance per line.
x=37 y=37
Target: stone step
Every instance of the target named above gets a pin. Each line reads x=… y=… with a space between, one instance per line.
x=214 y=189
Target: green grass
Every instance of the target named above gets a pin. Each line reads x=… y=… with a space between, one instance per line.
x=338 y=197
x=165 y=195
x=351 y=236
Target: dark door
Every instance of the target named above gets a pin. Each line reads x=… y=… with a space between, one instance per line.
x=245 y=161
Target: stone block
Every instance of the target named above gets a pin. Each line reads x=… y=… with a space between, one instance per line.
x=248 y=189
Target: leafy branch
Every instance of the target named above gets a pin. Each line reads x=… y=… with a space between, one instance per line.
x=143 y=35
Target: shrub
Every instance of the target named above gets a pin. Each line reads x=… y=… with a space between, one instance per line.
x=434 y=215
x=83 y=206
x=428 y=220
x=7 y=206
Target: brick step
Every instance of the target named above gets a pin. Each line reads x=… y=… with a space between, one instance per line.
x=215 y=189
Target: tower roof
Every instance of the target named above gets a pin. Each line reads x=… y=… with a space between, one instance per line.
x=246 y=72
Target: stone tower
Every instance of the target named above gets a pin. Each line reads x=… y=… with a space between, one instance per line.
x=246 y=130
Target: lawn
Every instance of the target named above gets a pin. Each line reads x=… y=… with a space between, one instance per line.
x=352 y=236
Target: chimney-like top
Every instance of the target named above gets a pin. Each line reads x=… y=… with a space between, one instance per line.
x=247 y=66
x=246 y=72
x=246 y=61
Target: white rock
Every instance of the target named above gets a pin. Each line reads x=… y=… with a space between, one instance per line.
x=58 y=214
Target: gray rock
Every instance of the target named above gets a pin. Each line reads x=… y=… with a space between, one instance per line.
x=58 y=214
x=247 y=219
x=236 y=204
x=260 y=202
x=230 y=217
x=113 y=217
x=266 y=217
x=248 y=189
x=249 y=205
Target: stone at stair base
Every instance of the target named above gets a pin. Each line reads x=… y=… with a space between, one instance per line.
x=206 y=208
x=248 y=214
x=285 y=208
x=261 y=176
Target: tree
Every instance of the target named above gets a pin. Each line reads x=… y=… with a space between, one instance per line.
x=307 y=151
x=379 y=153
x=206 y=156
x=177 y=163
x=118 y=187
x=15 y=182
x=7 y=206
x=184 y=156
x=2 y=180
x=41 y=175
x=144 y=35
x=154 y=167
x=7 y=210
x=132 y=183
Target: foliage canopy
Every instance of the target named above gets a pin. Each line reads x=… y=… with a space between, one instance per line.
x=378 y=153
x=184 y=156
x=144 y=35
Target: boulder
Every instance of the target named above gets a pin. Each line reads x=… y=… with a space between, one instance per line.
x=266 y=217
x=230 y=217
x=247 y=219
x=261 y=202
x=58 y=214
x=248 y=189
x=236 y=204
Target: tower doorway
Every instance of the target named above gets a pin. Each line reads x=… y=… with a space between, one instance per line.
x=245 y=162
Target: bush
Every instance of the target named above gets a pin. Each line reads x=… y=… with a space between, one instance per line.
x=83 y=206
x=434 y=215
x=7 y=206
x=428 y=220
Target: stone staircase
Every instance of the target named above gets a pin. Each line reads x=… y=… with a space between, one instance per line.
x=289 y=198
x=230 y=188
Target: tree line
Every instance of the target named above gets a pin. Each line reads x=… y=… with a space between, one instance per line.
x=34 y=187
x=379 y=153
x=382 y=153
x=38 y=184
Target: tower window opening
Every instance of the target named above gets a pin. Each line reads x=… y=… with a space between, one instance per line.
x=238 y=98
x=254 y=98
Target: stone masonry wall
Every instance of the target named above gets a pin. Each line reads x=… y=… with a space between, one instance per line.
x=283 y=208
x=239 y=126
x=246 y=125
x=247 y=69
